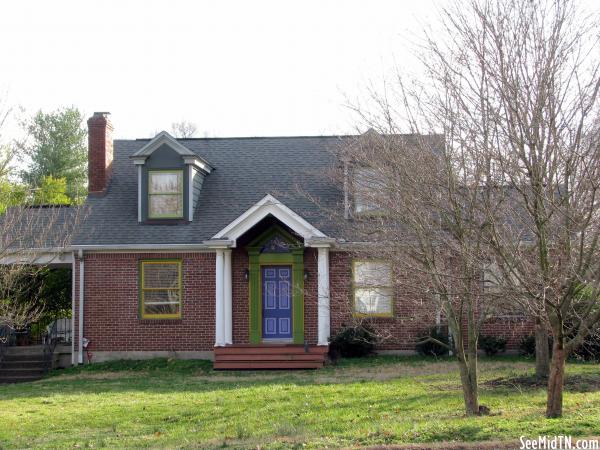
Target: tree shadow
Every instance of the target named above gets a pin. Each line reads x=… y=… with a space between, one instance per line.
x=580 y=383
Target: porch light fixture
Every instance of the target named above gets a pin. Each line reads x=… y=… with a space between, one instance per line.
x=246 y=275
x=305 y=275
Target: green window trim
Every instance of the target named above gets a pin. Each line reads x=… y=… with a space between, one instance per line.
x=143 y=289
x=256 y=259
x=177 y=172
x=356 y=286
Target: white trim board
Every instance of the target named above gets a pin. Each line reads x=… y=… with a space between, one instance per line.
x=163 y=137
x=269 y=205
x=47 y=258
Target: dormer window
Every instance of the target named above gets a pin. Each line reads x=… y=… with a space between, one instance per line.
x=170 y=178
x=165 y=194
x=368 y=191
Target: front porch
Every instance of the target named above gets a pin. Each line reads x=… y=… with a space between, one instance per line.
x=277 y=316
x=36 y=332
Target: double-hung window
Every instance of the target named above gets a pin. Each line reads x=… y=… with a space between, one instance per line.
x=373 y=288
x=369 y=191
x=160 y=289
x=165 y=194
x=504 y=290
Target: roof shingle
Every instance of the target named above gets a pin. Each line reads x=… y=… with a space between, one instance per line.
x=246 y=169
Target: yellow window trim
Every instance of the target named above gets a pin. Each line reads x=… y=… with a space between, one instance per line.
x=355 y=285
x=143 y=263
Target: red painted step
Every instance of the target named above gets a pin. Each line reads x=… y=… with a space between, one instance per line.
x=261 y=350
x=270 y=356
x=238 y=365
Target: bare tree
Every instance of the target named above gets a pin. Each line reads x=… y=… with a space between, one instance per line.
x=31 y=238
x=415 y=200
x=513 y=88
x=184 y=129
x=541 y=68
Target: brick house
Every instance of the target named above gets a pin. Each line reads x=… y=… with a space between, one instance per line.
x=206 y=248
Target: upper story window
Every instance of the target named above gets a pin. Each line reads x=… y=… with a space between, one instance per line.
x=170 y=178
x=368 y=188
x=165 y=194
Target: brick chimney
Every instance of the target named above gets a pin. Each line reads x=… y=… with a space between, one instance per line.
x=100 y=152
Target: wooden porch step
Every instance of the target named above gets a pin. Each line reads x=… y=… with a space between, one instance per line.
x=270 y=356
x=26 y=357
x=272 y=349
x=17 y=364
x=24 y=350
x=255 y=365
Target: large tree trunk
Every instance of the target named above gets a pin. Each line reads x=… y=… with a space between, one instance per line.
x=468 y=378
x=466 y=355
x=542 y=352
x=556 y=380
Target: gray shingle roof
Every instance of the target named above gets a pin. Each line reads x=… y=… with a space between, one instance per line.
x=38 y=227
x=246 y=169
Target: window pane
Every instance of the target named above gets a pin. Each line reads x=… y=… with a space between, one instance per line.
x=151 y=308
x=367 y=188
x=373 y=301
x=165 y=182
x=166 y=205
x=161 y=275
x=372 y=273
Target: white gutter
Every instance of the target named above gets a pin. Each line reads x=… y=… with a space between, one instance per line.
x=81 y=289
x=73 y=281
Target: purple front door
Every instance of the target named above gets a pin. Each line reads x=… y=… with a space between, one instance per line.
x=276 y=302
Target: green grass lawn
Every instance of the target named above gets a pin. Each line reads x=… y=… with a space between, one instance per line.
x=375 y=401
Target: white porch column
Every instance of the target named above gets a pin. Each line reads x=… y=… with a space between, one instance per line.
x=81 y=298
x=220 y=299
x=227 y=294
x=323 y=296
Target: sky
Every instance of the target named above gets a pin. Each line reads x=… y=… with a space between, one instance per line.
x=233 y=68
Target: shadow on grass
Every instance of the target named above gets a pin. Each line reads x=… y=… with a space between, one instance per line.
x=162 y=375
x=385 y=360
x=573 y=383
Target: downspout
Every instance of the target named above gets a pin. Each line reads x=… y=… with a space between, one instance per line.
x=73 y=283
x=81 y=288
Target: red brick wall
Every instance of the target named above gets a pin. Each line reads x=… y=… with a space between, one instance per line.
x=111 y=303
x=311 y=321
x=112 y=320
x=512 y=329
x=111 y=314
x=411 y=317
x=240 y=307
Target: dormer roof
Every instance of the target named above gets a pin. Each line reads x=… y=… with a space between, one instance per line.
x=164 y=138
